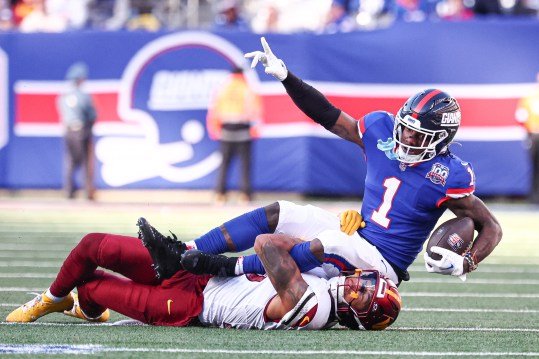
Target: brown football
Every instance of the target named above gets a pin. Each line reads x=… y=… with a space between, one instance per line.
x=456 y=234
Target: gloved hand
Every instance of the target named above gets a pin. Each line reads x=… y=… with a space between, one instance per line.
x=351 y=220
x=451 y=263
x=273 y=65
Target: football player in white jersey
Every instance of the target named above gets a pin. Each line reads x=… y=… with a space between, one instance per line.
x=284 y=299
x=288 y=299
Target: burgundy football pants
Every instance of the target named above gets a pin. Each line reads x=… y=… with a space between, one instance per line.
x=136 y=293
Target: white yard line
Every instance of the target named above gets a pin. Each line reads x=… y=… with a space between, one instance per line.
x=470 y=295
x=94 y=349
x=471 y=310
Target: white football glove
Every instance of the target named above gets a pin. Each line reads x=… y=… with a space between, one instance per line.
x=273 y=65
x=451 y=263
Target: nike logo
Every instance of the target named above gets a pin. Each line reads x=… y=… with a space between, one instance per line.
x=168 y=305
x=305 y=321
x=450 y=267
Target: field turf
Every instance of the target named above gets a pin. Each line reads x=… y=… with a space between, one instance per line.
x=495 y=314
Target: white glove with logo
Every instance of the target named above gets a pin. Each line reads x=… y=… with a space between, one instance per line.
x=451 y=263
x=273 y=65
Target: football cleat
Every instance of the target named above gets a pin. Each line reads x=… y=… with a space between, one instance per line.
x=39 y=306
x=198 y=262
x=166 y=252
x=77 y=312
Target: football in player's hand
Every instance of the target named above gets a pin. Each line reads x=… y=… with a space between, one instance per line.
x=456 y=235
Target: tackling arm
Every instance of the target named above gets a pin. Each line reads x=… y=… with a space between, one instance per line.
x=487 y=226
x=273 y=250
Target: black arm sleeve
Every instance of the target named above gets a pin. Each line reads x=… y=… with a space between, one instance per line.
x=311 y=101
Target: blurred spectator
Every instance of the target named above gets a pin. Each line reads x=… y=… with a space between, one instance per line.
x=375 y=14
x=454 y=10
x=524 y=7
x=40 y=19
x=527 y=114
x=77 y=114
x=286 y=16
x=229 y=16
x=74 y=11
x=232 y=117
x=111 y=14
x=261 y=16
x=350 y=15
x=506 y=7
x=6 y=16
x=22 y=8
x=487 y=7
x=341 y=16
x=415 y=10
x=266 y=19
x=143 y=16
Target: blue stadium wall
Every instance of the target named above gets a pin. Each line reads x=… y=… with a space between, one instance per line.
x=152 y=92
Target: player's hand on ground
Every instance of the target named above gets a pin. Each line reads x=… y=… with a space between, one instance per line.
x=351 y=221
x=451 y=263
x=273 y=65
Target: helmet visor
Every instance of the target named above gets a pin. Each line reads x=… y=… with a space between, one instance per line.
x=364 y=287
x=424 y=149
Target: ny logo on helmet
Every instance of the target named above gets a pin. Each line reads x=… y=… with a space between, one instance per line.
x=450 y=119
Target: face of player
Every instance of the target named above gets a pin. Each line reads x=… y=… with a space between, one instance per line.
x=413 y=139
x=359 y=292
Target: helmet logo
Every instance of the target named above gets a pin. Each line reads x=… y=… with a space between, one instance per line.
x=413 y=122
x=450 y=119
x=438 y=174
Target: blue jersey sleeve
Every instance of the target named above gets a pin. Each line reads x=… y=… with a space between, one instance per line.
x=460 y=181
x=370 y=119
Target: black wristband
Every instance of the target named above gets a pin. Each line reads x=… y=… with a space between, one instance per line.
x=311 y=101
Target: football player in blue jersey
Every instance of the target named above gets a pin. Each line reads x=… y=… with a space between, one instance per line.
x=412 y=178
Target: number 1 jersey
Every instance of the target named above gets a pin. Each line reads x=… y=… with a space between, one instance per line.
x=402 y=203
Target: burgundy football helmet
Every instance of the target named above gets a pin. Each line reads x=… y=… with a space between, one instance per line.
x=379 y=311
x=434 y=114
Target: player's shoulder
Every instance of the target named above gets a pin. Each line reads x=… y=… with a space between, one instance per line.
x=452 y=171
x=316 y=305
x=379 y=116
x=455 y=161
x=376 y=119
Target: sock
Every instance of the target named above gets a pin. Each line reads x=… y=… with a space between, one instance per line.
x=301 y=254
x=243 y=231
x=52 y=297
x=239 y=266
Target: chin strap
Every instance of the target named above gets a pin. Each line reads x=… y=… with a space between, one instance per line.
x=388 y=147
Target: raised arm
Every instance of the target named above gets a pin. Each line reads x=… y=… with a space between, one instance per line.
x=308 y=99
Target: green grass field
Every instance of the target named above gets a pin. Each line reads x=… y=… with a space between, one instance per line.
x=495 y=314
